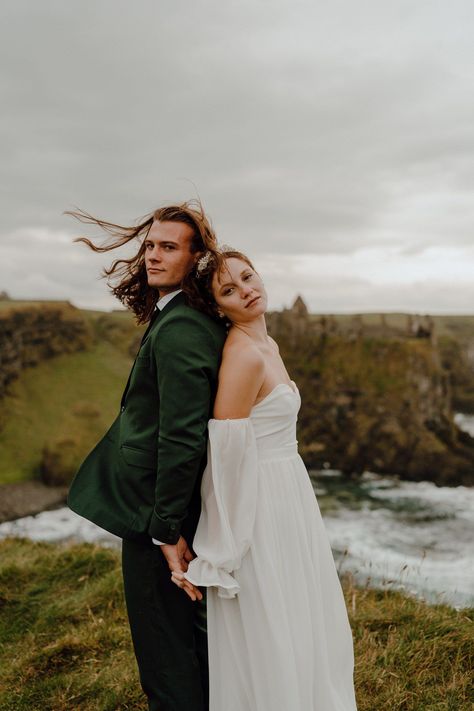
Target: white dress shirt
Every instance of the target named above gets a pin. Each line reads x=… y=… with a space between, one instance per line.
x=159 y=305
x=166 y=298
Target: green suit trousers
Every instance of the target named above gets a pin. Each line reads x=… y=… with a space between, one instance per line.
x=168 y=632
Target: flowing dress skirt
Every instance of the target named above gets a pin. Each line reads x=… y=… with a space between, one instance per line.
x=278 y=630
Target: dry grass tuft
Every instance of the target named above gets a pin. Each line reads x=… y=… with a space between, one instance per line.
x=64 y=639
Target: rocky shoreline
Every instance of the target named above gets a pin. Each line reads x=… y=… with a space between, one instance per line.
x=27 y=498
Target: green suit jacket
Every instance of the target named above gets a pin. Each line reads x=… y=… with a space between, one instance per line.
x=143 y=478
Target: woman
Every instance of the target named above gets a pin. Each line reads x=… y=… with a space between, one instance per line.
x=278 y=631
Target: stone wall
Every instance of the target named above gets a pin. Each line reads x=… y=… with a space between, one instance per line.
x=293 y=322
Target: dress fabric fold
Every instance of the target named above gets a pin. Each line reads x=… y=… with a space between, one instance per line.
x=229 y=500
x=279 y=637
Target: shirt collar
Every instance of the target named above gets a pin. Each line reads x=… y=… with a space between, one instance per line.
x=161 y=303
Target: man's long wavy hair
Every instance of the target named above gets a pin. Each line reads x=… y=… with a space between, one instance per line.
x=132 y=288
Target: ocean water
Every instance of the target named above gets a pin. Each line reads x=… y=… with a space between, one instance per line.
x=412 y=536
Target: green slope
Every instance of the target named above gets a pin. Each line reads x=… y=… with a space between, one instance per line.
x=65 y=403
x=56 y=411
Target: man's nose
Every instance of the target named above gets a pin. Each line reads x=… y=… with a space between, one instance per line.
x=155 y=254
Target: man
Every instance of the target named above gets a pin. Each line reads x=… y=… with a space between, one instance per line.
x=142 y=480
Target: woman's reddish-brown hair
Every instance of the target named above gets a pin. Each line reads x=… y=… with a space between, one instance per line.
x=198 y=285
x=132 y=288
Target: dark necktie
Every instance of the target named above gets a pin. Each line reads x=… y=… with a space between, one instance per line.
x=154 y=316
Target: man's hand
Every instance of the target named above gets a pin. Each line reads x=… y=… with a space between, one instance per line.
x=178 y=556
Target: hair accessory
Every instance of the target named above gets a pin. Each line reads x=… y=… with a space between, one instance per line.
x=203 y=261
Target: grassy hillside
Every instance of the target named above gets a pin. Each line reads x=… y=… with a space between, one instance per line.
x=64 y=639
x=372 y=401
x=378 y=404
x=7 y=305
x=454 y=337
x=56 y=411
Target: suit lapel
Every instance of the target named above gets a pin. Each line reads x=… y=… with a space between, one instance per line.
x=157 y=316
x=178 y=299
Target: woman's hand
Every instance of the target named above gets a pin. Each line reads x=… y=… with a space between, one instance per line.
x=178 y=556
x=177 y=576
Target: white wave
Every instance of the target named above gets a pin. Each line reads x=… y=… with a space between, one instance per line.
x=465 y=422
x=424 y=544
x=55 y=526
x=412 y=535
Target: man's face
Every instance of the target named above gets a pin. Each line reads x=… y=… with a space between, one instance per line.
x=167 y=255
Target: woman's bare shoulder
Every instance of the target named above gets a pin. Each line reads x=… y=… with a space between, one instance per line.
x=240 y=353
x=241 y=376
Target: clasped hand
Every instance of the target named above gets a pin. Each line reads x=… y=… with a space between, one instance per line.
x=178 y=556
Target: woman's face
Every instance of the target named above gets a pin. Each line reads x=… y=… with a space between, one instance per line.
x=239 y=291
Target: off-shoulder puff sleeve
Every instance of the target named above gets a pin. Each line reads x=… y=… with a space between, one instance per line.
x=229 y=499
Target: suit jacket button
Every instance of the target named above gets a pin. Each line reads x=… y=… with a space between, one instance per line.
x=122 y=408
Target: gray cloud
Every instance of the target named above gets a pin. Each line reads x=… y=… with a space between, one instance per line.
x=306 y=128
x=48 y=264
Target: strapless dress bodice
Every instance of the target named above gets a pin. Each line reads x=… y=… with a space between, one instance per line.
x=274 y=422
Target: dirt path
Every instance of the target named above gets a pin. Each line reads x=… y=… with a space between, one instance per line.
x=25 y=498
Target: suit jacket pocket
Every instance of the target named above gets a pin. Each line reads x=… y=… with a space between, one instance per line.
x=138 y=457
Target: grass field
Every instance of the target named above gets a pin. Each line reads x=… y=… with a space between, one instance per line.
x=64 y=639
x=65 y=403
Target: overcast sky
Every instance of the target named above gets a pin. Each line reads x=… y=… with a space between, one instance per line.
x=331 y=140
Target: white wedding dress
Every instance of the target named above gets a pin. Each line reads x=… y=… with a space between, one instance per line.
x=278 y=631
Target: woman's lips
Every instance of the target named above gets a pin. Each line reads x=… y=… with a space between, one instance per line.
x=250 y=303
